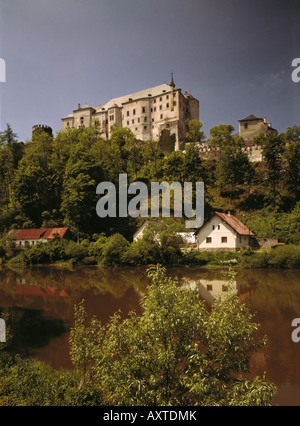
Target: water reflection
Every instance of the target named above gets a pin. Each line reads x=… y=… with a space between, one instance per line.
x=41 y=301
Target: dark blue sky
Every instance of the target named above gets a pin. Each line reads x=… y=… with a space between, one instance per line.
x=233 y=55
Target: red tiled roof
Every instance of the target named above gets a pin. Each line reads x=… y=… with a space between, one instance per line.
x=235 y=224
x=42 y=233
x=51 y=232
x=30 y=234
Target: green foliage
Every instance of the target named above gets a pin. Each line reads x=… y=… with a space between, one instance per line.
x=114 y=250
x=283 y=257
x=175 y=353
x=194 y=133
x=52 y=181
x=33 y=383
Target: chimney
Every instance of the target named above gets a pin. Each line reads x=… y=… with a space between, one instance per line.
x=229 y=214
x=78 y=106
x=265 y=120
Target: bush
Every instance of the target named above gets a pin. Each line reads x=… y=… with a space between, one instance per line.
x=114 y=250
x=285 y=257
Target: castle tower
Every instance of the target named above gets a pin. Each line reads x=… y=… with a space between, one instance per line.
x=42 y=128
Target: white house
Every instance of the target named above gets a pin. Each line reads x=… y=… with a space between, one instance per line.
x=223 y=232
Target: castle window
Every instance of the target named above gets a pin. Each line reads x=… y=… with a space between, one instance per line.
x=143 y=109
x=175 y=103
x=127 y=113
x=167 y=96
x=167 y=105
x=145 y=127
x=161 y=116
x=134 y=112
x=145 y=118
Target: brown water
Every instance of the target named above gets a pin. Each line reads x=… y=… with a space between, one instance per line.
x=40 y=301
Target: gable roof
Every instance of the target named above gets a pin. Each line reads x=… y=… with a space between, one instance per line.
x=251 y=118
x=233 y=222
x=41 y=233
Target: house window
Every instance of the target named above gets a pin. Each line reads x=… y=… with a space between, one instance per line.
x=209 y=287
x=81 y=120
x=208 y=240
x=246 y=126
x=213 y=227
x=224 y=240
x=219 y=227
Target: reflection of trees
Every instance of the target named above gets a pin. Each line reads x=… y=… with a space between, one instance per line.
x=31 y=330
x=115 y=281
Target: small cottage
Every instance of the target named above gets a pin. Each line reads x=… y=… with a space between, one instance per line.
x=223 y=232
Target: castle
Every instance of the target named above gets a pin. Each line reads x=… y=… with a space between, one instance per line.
x=147 y=113
x=162 y=108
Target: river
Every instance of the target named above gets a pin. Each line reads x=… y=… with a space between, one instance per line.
x=40 y=303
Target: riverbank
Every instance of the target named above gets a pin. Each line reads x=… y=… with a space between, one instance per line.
x=116 y=251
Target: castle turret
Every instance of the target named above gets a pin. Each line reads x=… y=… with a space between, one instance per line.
x=42 y=127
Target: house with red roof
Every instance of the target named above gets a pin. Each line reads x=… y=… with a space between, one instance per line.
x=23 y=237
x=223 y=232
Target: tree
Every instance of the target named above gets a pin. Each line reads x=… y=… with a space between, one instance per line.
x=175 y=353
x=273 y=150
x=194 y=133
x=7 y=137
x=221 y=135
x=292 y=170
x=35 y=184
x=82 y=174
x=234 y=167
